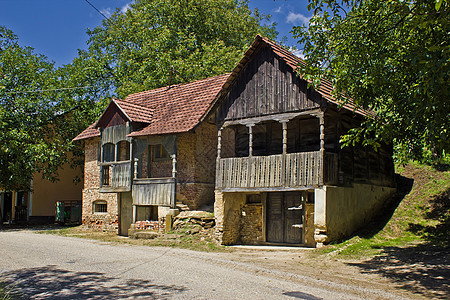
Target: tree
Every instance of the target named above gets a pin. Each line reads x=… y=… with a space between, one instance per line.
x=388 y=56
x=38 y=114
x=158 y=42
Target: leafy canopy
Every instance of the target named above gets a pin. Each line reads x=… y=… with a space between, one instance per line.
x=158 y=42
x=391 y=57
x=38 y=115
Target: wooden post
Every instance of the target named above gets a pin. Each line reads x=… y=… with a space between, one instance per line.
x=219 y=143
x=131 y=162
x=285 y=133
x=283 y=158
x=174 y=165
x=116 y=151
x=250 y=140
x=135 y=168
x=322 y=148
x=134 y=213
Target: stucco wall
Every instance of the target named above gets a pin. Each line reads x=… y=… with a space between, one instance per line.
x=340 y=211
x=47 y=193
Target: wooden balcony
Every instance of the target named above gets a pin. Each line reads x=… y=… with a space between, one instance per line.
x=154 y=191
x=276 y=172
x=115 y=177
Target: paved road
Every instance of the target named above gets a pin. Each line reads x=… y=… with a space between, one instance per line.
x=54 y=267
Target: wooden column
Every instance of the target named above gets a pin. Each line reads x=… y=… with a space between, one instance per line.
x=250 y=140
x=116 y=151
x=219 y=143
x=131 y=162
x=174 y=165
x=285 y=133
x=322 y=148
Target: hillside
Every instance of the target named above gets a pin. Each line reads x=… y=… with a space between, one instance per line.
x=409 y=242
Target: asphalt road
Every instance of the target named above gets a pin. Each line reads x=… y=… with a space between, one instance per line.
x=54 y=267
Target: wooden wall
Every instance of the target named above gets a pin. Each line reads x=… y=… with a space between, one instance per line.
x=267 y=85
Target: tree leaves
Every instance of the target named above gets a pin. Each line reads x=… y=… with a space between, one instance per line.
x=391 y=57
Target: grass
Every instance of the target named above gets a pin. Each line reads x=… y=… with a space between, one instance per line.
x=421 y=217
x=180 y=238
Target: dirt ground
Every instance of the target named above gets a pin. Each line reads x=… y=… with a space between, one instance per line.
x=410 y=274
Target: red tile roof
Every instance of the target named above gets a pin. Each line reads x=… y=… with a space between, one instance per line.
x=172 y=109
x=136 y=113
x=89 y=132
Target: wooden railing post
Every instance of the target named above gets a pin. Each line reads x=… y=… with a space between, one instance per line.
x=322 y=148
x=283 y=158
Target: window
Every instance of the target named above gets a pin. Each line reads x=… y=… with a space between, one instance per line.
x=159 y=152
x=123 y=149
x=241 y=141
x=100 y=206
x=109 y=152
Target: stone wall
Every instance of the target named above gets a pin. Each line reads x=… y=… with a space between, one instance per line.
x=251 y=232
x=237 y=222
x=100 y=221
x=196 y=166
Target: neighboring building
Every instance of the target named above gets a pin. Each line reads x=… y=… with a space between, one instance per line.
x=281 y=175
x=149 y=153
x=39 y=204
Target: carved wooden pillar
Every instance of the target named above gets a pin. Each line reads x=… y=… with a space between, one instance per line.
x=219 y=143
x=250 y=140
x=322 y=148
x=285 y=133
x=174 y=165
x=322 y=132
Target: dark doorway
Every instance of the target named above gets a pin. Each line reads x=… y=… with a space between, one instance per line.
x=7 y=207
x=284 y=217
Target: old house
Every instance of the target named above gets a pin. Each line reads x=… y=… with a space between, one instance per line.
x=149 y=153
x=281 y=175
x=38 y=204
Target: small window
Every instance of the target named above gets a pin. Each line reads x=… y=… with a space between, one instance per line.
x=253 y=199
x=160 y=153
x=109 y=152
x=100 y=206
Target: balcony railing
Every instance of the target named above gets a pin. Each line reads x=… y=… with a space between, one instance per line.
x=154 y=191
x=115 y=177
x=290 y=171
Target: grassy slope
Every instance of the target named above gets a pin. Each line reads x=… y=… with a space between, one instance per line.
x=422 y=216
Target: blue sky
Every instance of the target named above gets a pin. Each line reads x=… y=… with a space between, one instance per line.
x=57 y=28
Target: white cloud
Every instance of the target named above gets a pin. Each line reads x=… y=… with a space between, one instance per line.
x=278 y=10
x=297 y=52
x=107 y=11
x=297 y=19
x=125 y=8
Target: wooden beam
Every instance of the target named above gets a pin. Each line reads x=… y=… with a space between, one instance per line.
x=275 y=117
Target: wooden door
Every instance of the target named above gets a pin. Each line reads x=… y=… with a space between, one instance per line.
x=284 y=218
x=126 y=213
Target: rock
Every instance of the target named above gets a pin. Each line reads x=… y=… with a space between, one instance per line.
x=146 y=235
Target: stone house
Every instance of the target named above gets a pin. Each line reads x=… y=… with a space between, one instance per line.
x=150 y=153
x=281 y=175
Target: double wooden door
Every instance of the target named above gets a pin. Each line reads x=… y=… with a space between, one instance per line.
x=284 y=218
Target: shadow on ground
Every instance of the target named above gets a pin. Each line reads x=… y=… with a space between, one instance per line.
x=422 y=269
x=50 y=282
